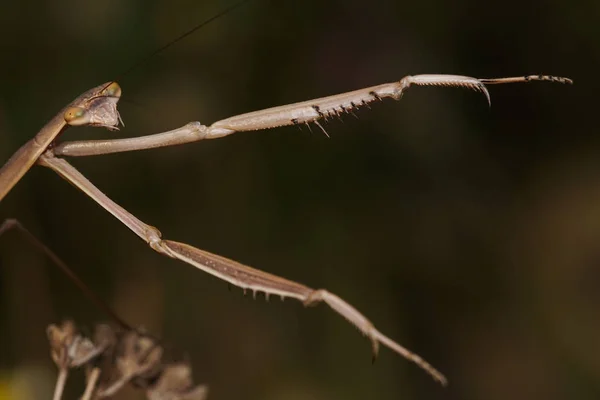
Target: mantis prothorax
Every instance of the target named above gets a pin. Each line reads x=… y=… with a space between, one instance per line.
x=97 y=107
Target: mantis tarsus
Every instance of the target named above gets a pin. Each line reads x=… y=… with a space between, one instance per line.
x=98 y=107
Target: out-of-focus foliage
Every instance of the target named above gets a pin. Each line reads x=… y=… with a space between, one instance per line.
x=470 y=235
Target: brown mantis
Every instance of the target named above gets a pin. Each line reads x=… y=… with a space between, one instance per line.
x=98 y=107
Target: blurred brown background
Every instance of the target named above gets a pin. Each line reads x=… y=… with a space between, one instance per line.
x=472 y=236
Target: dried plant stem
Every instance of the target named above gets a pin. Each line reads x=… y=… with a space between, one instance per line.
x=60 y=383
x=91 y=384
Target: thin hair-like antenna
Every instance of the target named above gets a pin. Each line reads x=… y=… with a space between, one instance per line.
x=183 y=36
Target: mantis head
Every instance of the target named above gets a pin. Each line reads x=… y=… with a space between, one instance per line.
x=96 y=107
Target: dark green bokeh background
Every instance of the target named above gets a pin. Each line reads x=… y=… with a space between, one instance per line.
x=470 y=235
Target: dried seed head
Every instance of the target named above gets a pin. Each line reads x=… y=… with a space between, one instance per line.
x=119 y=357
x=141 y=355
x=67 y=348
x=175 y=383
x=137 y=357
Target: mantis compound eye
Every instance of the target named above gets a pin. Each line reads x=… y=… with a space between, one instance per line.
x=77 y=116
x=112 y=90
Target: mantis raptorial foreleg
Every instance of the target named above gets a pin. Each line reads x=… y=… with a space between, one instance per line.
x=233 y=272
x=306 y=112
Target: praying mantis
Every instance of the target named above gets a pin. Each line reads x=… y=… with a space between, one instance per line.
x=98 y=108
